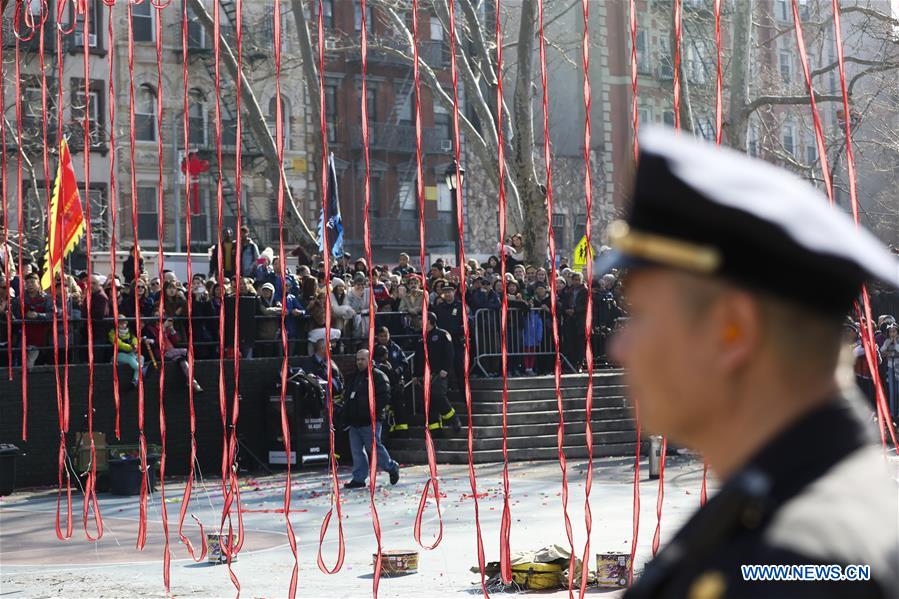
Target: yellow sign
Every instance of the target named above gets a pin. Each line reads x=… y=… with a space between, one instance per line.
x=299 y=165
x=431 y=193
x=582 y=253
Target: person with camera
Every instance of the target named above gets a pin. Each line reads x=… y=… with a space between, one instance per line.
x=357 y=417
x=889 y=350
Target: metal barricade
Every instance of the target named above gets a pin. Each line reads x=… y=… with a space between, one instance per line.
x=528 y=334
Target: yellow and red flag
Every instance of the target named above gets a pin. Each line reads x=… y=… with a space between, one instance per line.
x=66 y=219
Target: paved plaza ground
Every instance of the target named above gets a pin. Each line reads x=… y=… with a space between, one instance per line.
x=33 y=563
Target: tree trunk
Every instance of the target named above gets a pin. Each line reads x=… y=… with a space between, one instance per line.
x=532 y=222
x=738 y=124
x=258 y=126
x=310 y=75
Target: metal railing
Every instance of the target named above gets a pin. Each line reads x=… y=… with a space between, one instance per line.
x=528 y=334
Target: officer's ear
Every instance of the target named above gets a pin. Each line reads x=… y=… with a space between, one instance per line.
x=737 y=321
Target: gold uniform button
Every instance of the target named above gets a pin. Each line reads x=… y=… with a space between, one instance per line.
x=709 y=585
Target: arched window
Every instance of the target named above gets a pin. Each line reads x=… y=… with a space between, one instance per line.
x=285 y=118
x=196 y=112
x=145 y=113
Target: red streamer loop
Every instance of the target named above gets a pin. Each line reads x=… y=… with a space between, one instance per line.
x=59 y=303
x=279 y=135
x=588 y=324
x=160 y=233
x=884 y=422
x=142 y=440
x=433 y=483
x=551 y=239
x=457 y=143
x=113 y=219
x=90 y=485
x=188 y=487
x=326 y=254
x=19 y=221
x=505 y=530
x=372 y=408
x=636 y=124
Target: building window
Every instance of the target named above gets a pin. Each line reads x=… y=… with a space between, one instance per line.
x=198 y=123
x=788 y=138
x=331 y=112
x=752 y=141
x=285 y=119
x=444 y=197
x=405 y=113
x=375 y=196
x=93 y=28
x=786 y=66
x=31 y=109
x=644 y=115
x=147 y=215
x=371 y=102
x=357 y=15
x=442 y=122
x=642 y=51
x=328 y=13
x=92 y=105
x=695 y=66
x=668 y=118
x=142 y=22
x=145 y=113
x=559 y=231
x=196 y=33
x=666 y=64
x=782 y=10
x=811 y=151
x=99 y=216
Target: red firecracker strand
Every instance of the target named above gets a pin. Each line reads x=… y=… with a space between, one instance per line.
x=463 y=284
x=636 y=125
x=505 y=529
x=326 y=256
x=20 y=292
x=160 y=234
x=61 y=393
x=142 y=439
x=588 y=324
x=113 y=209
x=285 y=430
x=3 y=191
x=188 y=487
x=433 y=483
x=884 y=421
x=551 y=241
x=90 y=483
x=373 y=453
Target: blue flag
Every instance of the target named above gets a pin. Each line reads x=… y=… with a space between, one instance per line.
x=334 y=224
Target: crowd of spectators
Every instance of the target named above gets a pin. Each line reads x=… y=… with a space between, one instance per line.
x=395 y=295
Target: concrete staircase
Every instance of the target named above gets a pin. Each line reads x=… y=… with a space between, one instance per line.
x=532 y=422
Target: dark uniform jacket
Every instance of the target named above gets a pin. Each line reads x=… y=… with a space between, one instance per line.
x=817 y=494
x=356 y=410
x=440 y=353
x=449 y=318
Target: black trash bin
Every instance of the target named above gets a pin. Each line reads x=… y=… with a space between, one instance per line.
x=125 y=476
x=8 y=455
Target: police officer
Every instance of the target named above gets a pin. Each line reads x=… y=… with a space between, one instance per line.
x=739 y=277
x=441 y=356
x=448 y=310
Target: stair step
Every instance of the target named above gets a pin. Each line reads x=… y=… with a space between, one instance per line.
x=571 y=427
x=573 y=452
x=527 y=442
x=488 y=395
x=600 y=378
x=549 y=416
x=543 y=404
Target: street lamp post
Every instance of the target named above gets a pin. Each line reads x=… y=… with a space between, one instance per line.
x=454 y=176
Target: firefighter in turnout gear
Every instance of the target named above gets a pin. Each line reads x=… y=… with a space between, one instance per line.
x=395 y=360
x=440 y=357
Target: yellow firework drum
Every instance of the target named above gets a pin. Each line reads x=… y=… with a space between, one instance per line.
x=214 y=553
x=397 y=562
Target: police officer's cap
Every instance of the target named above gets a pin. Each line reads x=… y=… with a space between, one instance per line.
x=720 y=213
x=432 y=318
